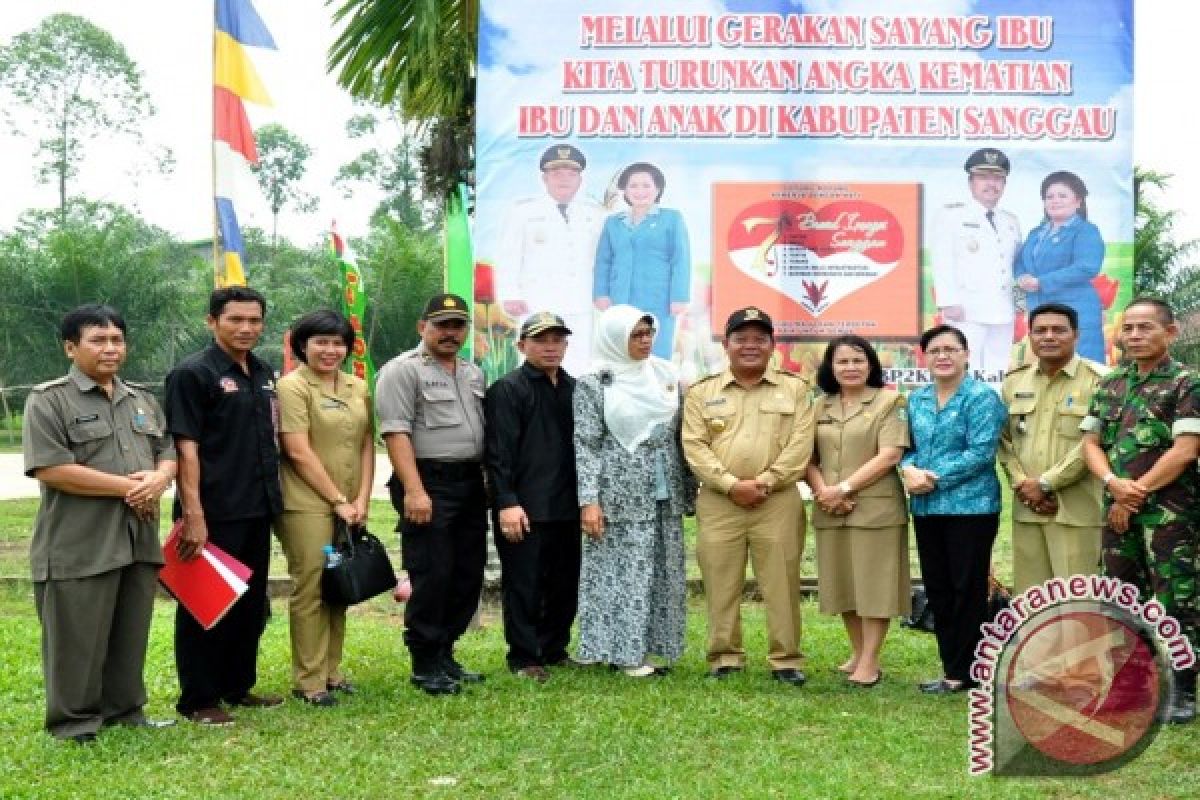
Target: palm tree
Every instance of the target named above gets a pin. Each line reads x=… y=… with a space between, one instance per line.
x=421 y=55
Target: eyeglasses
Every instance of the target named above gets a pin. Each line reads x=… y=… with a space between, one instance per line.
x=644 y=333
x=944 y=351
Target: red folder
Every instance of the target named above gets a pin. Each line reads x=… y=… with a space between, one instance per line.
x=207 y=586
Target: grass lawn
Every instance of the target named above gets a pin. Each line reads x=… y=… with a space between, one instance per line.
x=586 y=734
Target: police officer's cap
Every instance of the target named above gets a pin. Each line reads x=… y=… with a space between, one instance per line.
x=749 y=316
x=987 y=160
x=541 y=322
x=562 y=155
x=445 y=306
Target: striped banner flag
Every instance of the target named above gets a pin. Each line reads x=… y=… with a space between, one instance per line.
x=354 y=306
x=237 y=26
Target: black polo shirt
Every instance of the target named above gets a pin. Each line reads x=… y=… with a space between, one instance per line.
x=529 y=445
x=233 y=418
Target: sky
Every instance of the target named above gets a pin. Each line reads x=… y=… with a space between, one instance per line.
x=171 y=42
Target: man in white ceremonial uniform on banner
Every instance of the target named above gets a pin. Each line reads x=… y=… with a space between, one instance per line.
x=973 y=247
x=547 y=252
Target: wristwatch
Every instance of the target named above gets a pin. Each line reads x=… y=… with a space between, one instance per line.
x=845 y=487
x=1045 y=486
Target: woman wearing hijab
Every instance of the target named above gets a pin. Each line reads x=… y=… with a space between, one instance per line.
x=634 y=488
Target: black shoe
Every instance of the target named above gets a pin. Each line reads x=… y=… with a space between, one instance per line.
x=871 y=684
x=460 y=673
x=790 y=676
x=436 y=683
x=944 y=686
x=721 y=673
x=343 y=686
x=319 y=699
x=82 y=738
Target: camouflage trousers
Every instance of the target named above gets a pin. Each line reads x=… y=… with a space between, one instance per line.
x=1159 y=555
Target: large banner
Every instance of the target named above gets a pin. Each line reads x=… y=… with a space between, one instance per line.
x=865 y=167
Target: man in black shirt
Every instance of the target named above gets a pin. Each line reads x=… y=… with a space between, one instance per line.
x=530 y=459
x=222 y=410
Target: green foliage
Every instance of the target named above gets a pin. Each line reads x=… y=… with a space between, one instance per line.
x=402 y=268
x=1157 y=256
x=391 y=169
x=422 y=54
x=97 y=252
x=282 y=161
x=79 y=83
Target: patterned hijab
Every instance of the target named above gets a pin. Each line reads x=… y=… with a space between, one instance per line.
x=638 y=394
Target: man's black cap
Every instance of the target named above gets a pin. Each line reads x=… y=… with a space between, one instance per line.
x=749 y=316
x=541 y=322
x=987 y=160
x=445 y=306
x=562 y=155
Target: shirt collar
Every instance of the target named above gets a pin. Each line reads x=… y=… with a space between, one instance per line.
x=626 y=213
x=771 y=376
x=227 y=364
x=1070 y=368
x=85 y=384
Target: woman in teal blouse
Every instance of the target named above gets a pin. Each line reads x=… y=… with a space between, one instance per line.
x=643 y=258
x=950 y=473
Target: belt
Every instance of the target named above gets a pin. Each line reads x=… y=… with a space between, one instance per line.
x=453 y=470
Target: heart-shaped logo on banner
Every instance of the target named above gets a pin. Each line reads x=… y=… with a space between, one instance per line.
x=815 y=257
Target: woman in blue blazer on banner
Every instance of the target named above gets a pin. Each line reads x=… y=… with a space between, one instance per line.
x=643 y=258
x=1060 y=258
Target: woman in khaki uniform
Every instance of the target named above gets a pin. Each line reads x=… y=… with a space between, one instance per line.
x=859 y=511
x=327 y=438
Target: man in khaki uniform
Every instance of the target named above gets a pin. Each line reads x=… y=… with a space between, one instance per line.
x=98 y=447
x=748 y=436
x=1057 y=510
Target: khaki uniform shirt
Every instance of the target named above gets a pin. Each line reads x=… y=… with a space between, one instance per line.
x=72 y=421
x=764 y=432
x=441 y=411
x=846 y=441
x=1042 y=439
x=335 y=423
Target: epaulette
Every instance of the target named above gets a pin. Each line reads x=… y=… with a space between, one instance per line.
x=1095 y=366
x=135 y=385
x=950 y=206
x=41 y=387
x=1020 y=367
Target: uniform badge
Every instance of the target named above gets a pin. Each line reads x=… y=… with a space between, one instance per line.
x=139 y=417
x=972 y=246
x=717 y=424
x=229 y=385
x=902 y=414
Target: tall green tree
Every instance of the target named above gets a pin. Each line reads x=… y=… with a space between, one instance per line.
x=79 y=84
x=392 y=169
x=422 y=54
x=1158 y=255
x=282 y=163
x=96 y=253
x=402 y=268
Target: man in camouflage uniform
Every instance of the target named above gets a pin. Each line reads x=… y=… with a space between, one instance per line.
x=1142 y=438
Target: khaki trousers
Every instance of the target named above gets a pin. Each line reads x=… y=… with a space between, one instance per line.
x=773 y=535
x=1046 y=550
x=317 y=630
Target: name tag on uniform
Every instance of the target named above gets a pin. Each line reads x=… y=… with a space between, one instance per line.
x=435 y=384
x=1025 y=395
x=86 y=418
x=716 y=401
x=824 y=422
x=332 y=404
x=970 y=224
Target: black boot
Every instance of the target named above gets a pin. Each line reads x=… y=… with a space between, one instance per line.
x=1181 y=707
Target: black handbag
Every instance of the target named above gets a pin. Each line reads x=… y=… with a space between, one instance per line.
x=363 y=569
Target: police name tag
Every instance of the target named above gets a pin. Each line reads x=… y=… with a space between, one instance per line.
x=86 y=418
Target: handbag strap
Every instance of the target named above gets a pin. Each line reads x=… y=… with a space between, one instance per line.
x=343 y=532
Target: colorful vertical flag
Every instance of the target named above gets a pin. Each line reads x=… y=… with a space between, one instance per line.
x=354 y=306
x=459 y=255
x=235 y=80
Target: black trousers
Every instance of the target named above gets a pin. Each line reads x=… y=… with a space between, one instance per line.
x=956 y=554
x=444 y=560
x=221 y=663
x=540 y=588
